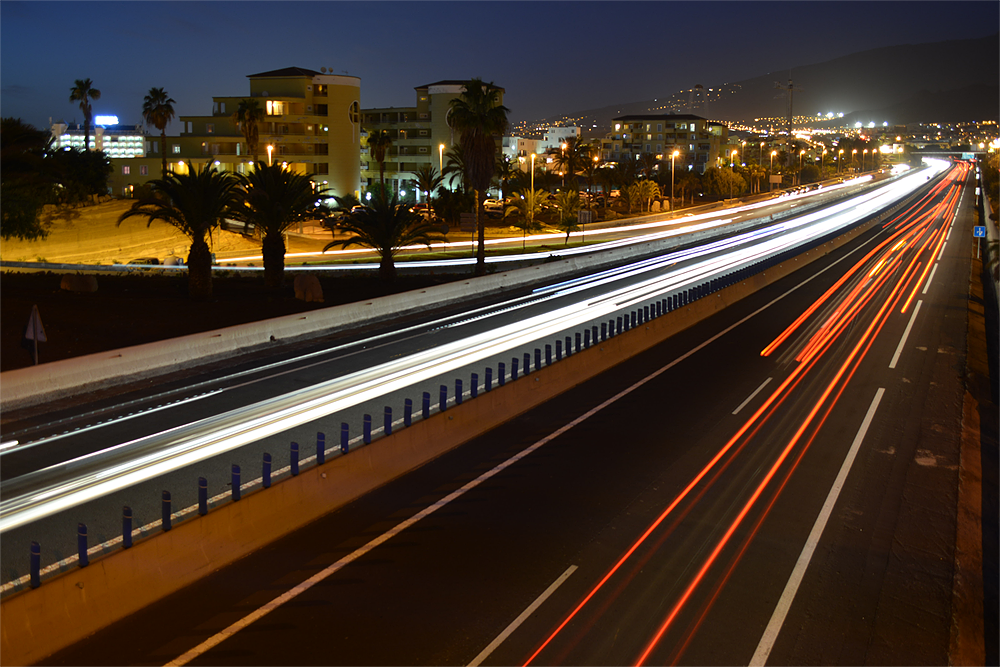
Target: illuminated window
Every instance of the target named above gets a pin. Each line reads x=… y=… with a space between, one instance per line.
x=275 y=108
x=143 y=170
x=209 y=128
x=125 y=170
x=176 y=149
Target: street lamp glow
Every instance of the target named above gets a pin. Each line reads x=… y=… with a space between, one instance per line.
x=441 y=158
x=269 y=149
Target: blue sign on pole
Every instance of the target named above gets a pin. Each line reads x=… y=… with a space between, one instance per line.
x=979 y=232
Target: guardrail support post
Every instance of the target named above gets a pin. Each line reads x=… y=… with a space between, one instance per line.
x=165 y=512
x=527 y=363
x=126 y=527
x=474 y=385
x=320 y=448
x=593 y=334
x=387 y=421
x=558 y=350
x=489 y=378
x=577 y=337
x=548 y=354
x=407 y=412
x=586 y=337
x=202 y=496
x=426 y=411
x=538 y=359
x=35 y=565
x=236 y=490
x=345 y=438
x=604 y=331
x=513 y=369
x=618 y=326
x=645 y=314
x=295 y=458
x=266 y=477
x=366 y=430
x=458 y=391
x=443 y=398
x=501 y=373
x=81 y=545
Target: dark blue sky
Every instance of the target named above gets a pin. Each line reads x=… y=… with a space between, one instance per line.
x=552 y=58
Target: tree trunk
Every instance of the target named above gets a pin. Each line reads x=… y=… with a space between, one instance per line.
x=387 y=268
x=273 y=250
x=163 y=152
x=199 y=270
x=481 y=227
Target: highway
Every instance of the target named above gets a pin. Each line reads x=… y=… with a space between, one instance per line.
x=774 y=485
x=68 y=469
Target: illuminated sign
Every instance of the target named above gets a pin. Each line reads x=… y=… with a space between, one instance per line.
x=105 y=120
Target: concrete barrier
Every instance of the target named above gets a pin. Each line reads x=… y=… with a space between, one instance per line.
x=70 y=606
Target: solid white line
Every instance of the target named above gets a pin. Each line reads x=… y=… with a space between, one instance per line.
x=906 y=332
x=791 y=587
x=750 y=397
x=929 y=279
x=478 y=660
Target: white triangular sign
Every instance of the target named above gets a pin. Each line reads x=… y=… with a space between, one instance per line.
x=35 y=330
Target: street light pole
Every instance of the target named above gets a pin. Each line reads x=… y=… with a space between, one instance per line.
x=840 y=161
x=532 y=174
x=441 y=159
x=672 y=156
x=770 y=172
x=801 y=153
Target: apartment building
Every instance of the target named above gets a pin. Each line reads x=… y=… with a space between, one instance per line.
x=701 y=142
x=312 y=124
x=420 y=135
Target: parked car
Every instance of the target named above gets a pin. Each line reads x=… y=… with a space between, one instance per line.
x=493 y=207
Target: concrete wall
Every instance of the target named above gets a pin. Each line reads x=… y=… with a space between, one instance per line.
x=77 y=603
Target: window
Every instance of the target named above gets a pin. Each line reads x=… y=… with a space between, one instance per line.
x=275 y=108
x=423 y=133
x=320 y=90
x=322 y=149
x=647 y=148
x=354 y=112
x=659 y=127
x=143 y=170
x=209 y=128
x=323 y=168
x=423 y=116
x=322 y=110
x=125 y=170
x=176 y=149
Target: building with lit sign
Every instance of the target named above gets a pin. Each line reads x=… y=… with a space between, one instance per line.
x=117 y=141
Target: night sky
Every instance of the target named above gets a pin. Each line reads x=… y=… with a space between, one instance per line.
x=552 y=58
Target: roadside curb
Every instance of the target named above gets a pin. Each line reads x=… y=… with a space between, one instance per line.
x=967 y=639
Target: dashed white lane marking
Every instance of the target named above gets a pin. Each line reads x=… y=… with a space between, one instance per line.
x=906 y=332
x=750 y=397
x=478 y=660
x=763 y=651
x=929 y=279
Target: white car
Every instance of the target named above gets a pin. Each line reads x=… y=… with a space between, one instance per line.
x=493 y=206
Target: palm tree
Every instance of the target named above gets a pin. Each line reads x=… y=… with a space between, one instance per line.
x=507 y=170
x=158 y=111
x=246 y=118
x=454 y=167
x=378 y=144
x=648 y=190
x=193 y=203
x=385 y=225
x=647 y=164
x=273 y=199
x=83 y=91
x=569 y=208
x=479 y=117
x=573 y=159
x=526 y=206
x=427 y=181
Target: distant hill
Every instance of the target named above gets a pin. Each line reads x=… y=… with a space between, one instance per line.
x=941 y=81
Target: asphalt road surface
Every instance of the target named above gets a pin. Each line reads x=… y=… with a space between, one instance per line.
x=776 y=484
